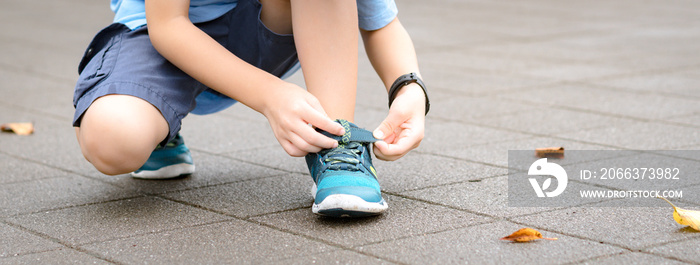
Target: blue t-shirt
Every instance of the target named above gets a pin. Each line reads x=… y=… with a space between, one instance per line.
x=372 y=14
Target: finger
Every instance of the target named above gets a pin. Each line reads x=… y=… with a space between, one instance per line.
x=301 y=144
x=381 y=151
x=320 y=119
x=389 y=125
x=291 y=149
x=405 y=142
x=316 y=139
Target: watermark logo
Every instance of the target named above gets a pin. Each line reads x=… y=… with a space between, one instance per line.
x=542 y=168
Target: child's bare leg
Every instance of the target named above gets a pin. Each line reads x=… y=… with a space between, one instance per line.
x=326 y=36
x=118 y=133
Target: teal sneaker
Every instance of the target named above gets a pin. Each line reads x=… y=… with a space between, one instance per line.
x=345 y=182
x=170 y=161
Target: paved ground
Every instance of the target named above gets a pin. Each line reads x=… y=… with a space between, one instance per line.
x=618 y=74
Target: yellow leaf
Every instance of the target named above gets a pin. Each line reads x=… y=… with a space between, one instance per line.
x=685 y=217
x=20 y=128
x=525 y=235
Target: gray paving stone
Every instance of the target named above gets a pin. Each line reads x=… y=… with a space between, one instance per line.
x=634 y=228
x=685 y=250
x=483 y=68
x=207 y=133
x=691 y=120
x=18 y=170
x=405 y=218
x=476 y=108
x=655 y=136
x=209 y=170
x=116 y=219
x=497 y=153
x=232 y=241
x=61 y=256
x=431 y=33
x=577 y=71
x=480 y=244
x=53 y=143
x=57 y=192
x=417 y=171
x=16 y=242
x=491 y=197
x=337 y=257
x=252 y=197
x=273 y=157
x=615 y=102
x=632 y=258
x=692 y=195
x=454 y=139
x=39 y=67
x=551 y=120
x=673 y=83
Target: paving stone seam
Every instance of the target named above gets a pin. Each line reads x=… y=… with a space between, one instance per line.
x=251 y=219
x=672 y=257
x=359 y=247
x=65 y=119
x=639 y=91
x=52 y=239
x=408 y=197
x=459 y=158
x=667 y=70
x=35 y=179
x=329 y=243
x=633 y=249
x=383 y=260
x=80 y=245
x=202 y=207
x=548 y=83
x=224 y=155
x=224 y=183
x=589 y=111
x=593 y=259
x=531 y=135
x=48 y=76
x=78 y=174
x=449 y=183
x=73 y=206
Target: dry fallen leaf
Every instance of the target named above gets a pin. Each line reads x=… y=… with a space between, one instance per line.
x=19 y=128
x=526 y=235
x=550 y=152
x=685 y=217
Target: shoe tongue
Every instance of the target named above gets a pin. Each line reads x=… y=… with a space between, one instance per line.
x=352 y=134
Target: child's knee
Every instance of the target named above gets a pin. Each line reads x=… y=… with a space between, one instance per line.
x=117 y=134
x=113 y=154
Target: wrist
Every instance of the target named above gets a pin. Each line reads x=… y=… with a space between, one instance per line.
x=407 y=80
x=269 y=94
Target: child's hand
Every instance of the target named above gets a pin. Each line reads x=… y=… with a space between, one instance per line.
x=290 y=111
x=404 y=127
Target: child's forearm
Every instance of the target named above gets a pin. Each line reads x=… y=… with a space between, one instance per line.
x=201 y=57
x=391 y=52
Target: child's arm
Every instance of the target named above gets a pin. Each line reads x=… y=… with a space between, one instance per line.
x=288 y=108
x=391 y=52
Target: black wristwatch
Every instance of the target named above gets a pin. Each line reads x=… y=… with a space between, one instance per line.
x=405 y=80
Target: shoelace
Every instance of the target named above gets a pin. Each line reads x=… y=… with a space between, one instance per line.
x=344 y=157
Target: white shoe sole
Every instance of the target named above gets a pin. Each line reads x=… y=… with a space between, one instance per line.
x=351 y=204
x=172 y=171
x=344 y=205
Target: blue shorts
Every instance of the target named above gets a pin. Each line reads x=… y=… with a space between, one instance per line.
x=122 y=61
